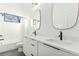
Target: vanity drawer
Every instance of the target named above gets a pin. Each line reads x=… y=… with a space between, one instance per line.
x=33 y=43
x=33 y=48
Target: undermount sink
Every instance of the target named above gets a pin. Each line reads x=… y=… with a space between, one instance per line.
x=64 y=42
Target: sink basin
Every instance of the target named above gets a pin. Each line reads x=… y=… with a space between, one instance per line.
x=64 y=42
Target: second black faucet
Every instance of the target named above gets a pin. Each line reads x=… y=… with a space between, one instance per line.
x=60 y=35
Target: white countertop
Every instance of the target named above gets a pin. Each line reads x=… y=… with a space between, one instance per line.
x=72 y=47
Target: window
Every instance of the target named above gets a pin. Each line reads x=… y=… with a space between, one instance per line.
x=11 y=18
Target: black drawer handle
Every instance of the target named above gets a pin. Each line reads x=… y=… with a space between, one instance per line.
x=1 y=39
x=51 y=46
x=32 y=54
x=1 y=35
x=32 y=44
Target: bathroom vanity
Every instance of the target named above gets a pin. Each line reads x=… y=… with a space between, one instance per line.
x=41 y=47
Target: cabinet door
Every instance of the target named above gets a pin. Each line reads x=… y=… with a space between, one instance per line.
x=44 y=50
x=26 y=46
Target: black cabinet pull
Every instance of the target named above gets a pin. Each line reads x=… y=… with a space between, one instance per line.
x=1 y=39
x=1 y=35
x=32 y=44
x=32 y=54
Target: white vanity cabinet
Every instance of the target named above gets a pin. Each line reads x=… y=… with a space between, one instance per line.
x=32 y=47
x=29 y=47
x=47 y=50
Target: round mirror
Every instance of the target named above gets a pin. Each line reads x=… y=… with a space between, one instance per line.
x=65 y=15
x=37 y=19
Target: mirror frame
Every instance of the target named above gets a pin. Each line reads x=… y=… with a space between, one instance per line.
x=40 y=19
x=65 y=28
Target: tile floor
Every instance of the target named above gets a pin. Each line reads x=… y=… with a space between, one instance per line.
x=12 y=53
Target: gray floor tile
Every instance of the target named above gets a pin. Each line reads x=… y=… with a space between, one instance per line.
x=12 y=53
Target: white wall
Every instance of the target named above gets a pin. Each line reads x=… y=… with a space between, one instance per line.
x=46 y=26
x=48 y=30
x=14 y=31
x=20 y=9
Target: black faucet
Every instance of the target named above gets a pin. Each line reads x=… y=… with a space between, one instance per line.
x=60 y=35
x=35 y=33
